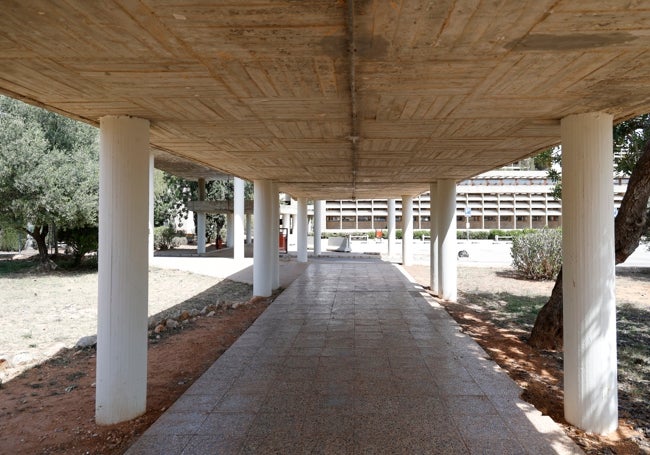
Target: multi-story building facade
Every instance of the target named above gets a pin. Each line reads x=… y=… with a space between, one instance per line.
x=505 y=199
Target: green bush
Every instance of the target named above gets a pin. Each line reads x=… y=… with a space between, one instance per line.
x=80 y=241
x=9 y=240
x=164 y=238
x=538 y=255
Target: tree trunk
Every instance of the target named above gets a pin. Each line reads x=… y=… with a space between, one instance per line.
x=628 y=228
x=39 y=234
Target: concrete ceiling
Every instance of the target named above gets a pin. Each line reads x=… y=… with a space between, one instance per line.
x=334 y=98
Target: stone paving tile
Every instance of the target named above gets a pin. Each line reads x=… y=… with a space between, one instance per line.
x=352 y=360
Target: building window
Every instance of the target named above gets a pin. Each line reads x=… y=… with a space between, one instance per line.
x=505 y=218
x=348 y=219
x=380 y=219
x=426 y=218
x=521 y=218
x=363 y=218
x=333 y=218
x=537 y=218
x=398 y=218
x=553 y=218
x=490 y=218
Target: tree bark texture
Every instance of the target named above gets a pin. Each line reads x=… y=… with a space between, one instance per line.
x=628 y=228
x=39 y=234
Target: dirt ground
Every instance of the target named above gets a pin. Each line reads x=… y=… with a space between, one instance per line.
x=539 y=374
x=49 y=409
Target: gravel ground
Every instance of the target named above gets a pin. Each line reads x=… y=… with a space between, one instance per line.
x=44 y=313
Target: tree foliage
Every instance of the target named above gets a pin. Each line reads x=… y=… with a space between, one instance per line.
x=49 y=173
x=172 y=195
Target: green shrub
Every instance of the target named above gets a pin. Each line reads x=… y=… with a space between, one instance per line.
x=9 y=240
x=164 y=238
x=80 y=241
x=538 y=255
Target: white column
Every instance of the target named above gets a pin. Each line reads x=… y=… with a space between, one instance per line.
x=249 y=237
x=590 y=385
x=229 y=229
x=433 y=233
x=391 y=227
x=151 y=203
x=261 y=245
x=121 y=384
x=319 y=210
x=200 y=221
x=407 y=230
x=238 y=219
x=447 y=240
x=302 y=229
x=275 y=236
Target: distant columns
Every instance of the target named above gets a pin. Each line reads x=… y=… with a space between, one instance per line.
x=590 y=383
x=262 y=284
x=238 y=219
x=433 y=233
x=200 y=221
x=229 y=229
x=249 y=229
x=275 y=237
x=319 y=206
x=391 y=227
x=407 y=230
x=302 y=229
x=121 y=385
x=447 y=255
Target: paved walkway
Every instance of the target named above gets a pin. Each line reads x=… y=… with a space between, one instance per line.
x=353 y=359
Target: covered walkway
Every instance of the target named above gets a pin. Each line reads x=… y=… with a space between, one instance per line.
x=353 y=358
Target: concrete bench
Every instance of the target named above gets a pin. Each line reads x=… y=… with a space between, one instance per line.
x=426 y=238
x=362 y=238
x=502 y=237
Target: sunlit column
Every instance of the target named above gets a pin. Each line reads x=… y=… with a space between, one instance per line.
x=590 y=384
x=121 y=385
x=302 y=229
x=262 y=284
x=447 y=254
x=238 y=219
x=391 y=227
x=407 y=230
x=433 y=233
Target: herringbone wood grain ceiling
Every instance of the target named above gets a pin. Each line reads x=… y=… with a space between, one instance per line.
x=334 y=98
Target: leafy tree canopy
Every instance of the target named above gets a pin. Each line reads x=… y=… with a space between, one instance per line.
x=49 y=171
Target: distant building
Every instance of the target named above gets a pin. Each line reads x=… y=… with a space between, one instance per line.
x=504 y=199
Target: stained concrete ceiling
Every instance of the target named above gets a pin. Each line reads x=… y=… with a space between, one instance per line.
x=334 y=98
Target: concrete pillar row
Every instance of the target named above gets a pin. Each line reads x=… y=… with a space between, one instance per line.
x=319 y=212
x=407 y=230
x=302 y=229
x=238 y=219
x=447 y=254
x=391 y=227
x=275 y=236
x=200 y=221
x=590 y=384
x=433 y=233
x=262 y=284
x=121 y=384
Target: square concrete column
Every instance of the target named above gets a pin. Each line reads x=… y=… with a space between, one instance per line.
x=590 y=384
x=433 y=233
x=302 y=229
x=275 y=233
x=319 y=214
x=407 y=231
x=121 y=386
x=447 y=254
x=262 y=284
x=391 y=227
x=238 y=219
x=200 y=221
